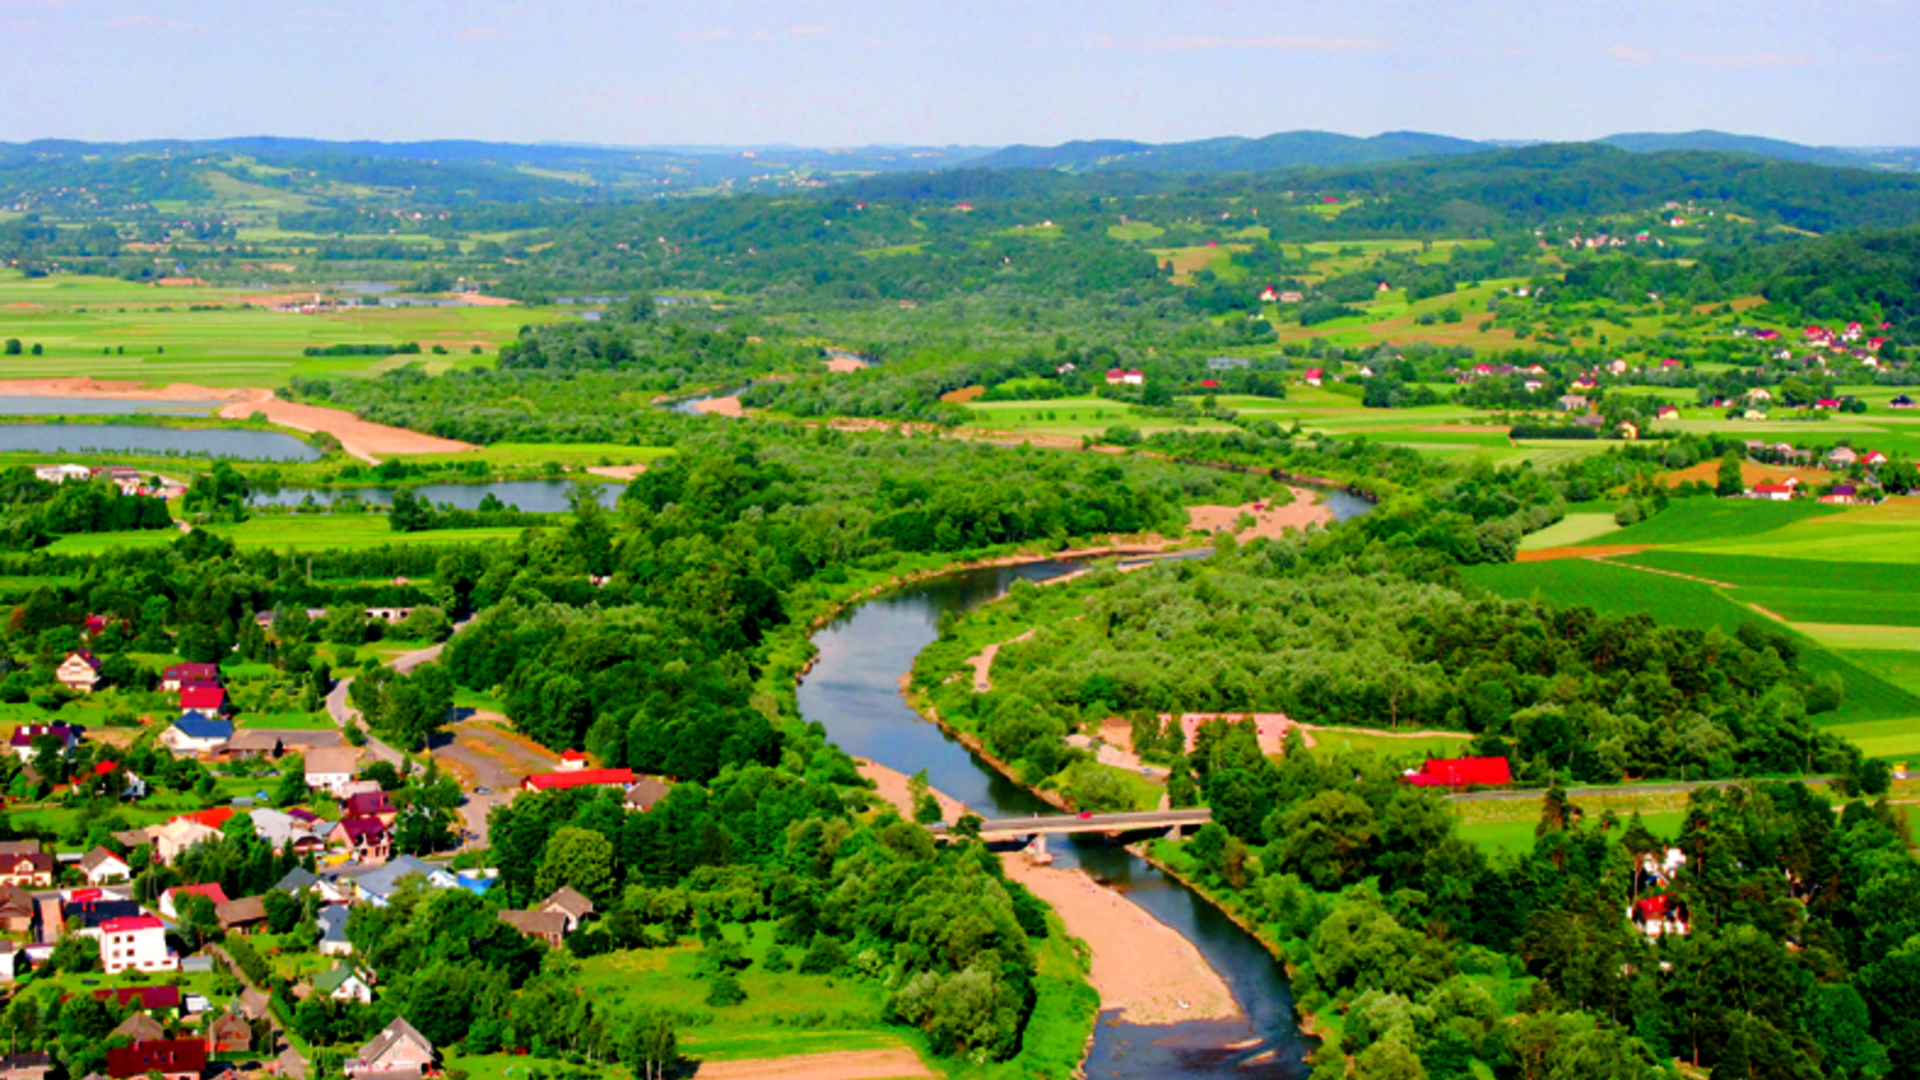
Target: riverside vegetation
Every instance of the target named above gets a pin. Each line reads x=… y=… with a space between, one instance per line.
x=664 y=634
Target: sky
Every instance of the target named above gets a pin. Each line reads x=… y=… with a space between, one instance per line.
x=957 y=72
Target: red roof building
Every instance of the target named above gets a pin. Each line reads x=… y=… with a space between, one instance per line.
x=148 y=997
x=212 y=819
x=1462 y=772
x=203 y=699
x=169 y=1058
x=560 y=781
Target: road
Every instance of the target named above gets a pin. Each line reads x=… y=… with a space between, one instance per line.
x=1668 y=787
x=342 y=710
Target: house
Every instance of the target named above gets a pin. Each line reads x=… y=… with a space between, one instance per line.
x=477 y=882
x=102 y=867
x=169 y=1059
x=195 y=734
x=1128 y=377
x=1658 y=915
x=1627 y=430
x=139 y=1027
x=16 y=910
x=25 y=734
x=569 y=904
x=390 y=615
x=1904 y=401
x=1758 y=393
x=131 y=785
x=646 y=793
x=33 y=1066
x=1828 y=403
x=10 y=954
x=135 y=943
x=1462 y=772
x=378 y=887
x=365 y=837
x=1291 y=296
x=173 y=678
x=178 y=835
x=573 y=761
x=289 y=1065
x=1583 y=384
x=332 y=921
x=1841 y=495
x=1572 y=403
x=343 y=982
x=1314 y=376
x=204 y=698
x=254 y=1004
x=93 y=913
x=1872 y=457
x=1670 y=365
x=560 y=781
x=242 y=916
x=1841 y=456
x=229 y=1034
x=79 y=671
x=1592 y=420
x=397 y=1052
x=1269 y=295
x=1771 y=492
x=331 y=768
x=1227 y=363
x=1667 y=412
x=171 y=900
x=282 y=831
x=547 y=926
x=373 y=804
x=28 y=870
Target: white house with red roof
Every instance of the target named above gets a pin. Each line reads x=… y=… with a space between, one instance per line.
x=573 y=778
x=79 y=671
x=1314 y=376
x=1872 y=457
x=1772 y=492
x=138 y=943
x=171 y=900
x=1126 y=377
x=206 y=699
x=573 y=761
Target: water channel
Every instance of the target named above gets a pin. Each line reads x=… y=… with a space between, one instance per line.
x=853 y=689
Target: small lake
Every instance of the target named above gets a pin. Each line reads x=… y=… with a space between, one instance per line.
x=75 y=406
x=157 y=441
x=531 y=496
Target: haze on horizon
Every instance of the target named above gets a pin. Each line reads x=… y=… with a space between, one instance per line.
x=983 y=72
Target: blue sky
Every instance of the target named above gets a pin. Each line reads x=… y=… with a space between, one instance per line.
x=985 y=72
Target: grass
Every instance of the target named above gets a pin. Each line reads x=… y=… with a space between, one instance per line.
x=1570 y=530
x=1074 y=417
x=1702 y=519
x=76 y=317
x=315 y=721
x=1607 y=587
x=785 y=1014
x=1516 y=836
x=289 y=532
x=1392 y=747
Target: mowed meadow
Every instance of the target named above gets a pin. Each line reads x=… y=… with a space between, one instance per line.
x=109 y=329
x=1841 y=578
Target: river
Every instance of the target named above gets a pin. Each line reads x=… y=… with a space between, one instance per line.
x=853 y=689
x=177 y=442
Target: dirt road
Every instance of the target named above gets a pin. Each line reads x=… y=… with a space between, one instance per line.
x=850 y=1065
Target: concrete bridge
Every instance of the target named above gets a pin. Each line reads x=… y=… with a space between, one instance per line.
x=1058 y=824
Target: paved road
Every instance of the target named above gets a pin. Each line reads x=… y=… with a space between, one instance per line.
x=341 y=708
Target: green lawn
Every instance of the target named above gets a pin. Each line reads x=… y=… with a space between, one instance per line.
x=1516 y=836
x=295 y=532
x=1570 y=530
x=784 y=1014
x=1412 y=749
x=1718 y=520
x=314 y=721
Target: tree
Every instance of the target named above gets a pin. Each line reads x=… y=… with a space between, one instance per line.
x=650 y=1048
x=1730 y=482
x=580 y=858
x=292 y=788
x=725 y=991
x=409 y=513
x=198 y=922
x=926 y=808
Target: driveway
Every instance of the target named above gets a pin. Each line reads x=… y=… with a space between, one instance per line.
x=482 y=754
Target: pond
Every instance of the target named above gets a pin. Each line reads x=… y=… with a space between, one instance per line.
x=531 y=496
x=75 y=406
x=155 y=441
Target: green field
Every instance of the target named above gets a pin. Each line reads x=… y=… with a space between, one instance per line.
x=1607 y=587
x=1516 y=836
x=1570 y=530
x=1707 y=519
x=288 y=532
x=111 y=329
x=1408 y=748
x=1075 y=417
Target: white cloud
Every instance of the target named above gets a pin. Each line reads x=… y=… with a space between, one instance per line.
x=1631 y=54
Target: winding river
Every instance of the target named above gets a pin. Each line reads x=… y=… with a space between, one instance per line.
x=853 y=689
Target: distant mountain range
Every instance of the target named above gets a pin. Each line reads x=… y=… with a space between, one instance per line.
x=1292 y=149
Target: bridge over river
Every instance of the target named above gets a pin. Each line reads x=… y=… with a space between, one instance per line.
x=1059 y=824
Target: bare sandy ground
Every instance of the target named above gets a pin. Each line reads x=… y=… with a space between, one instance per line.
x=721 y=406
x=847 y=1065
x=843 y=365
x=362 y=439
x=983 y=664
x=617 y=472
x=1141 y=966
x=1268 y=520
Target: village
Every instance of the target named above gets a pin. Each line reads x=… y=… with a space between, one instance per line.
x=200 y=979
